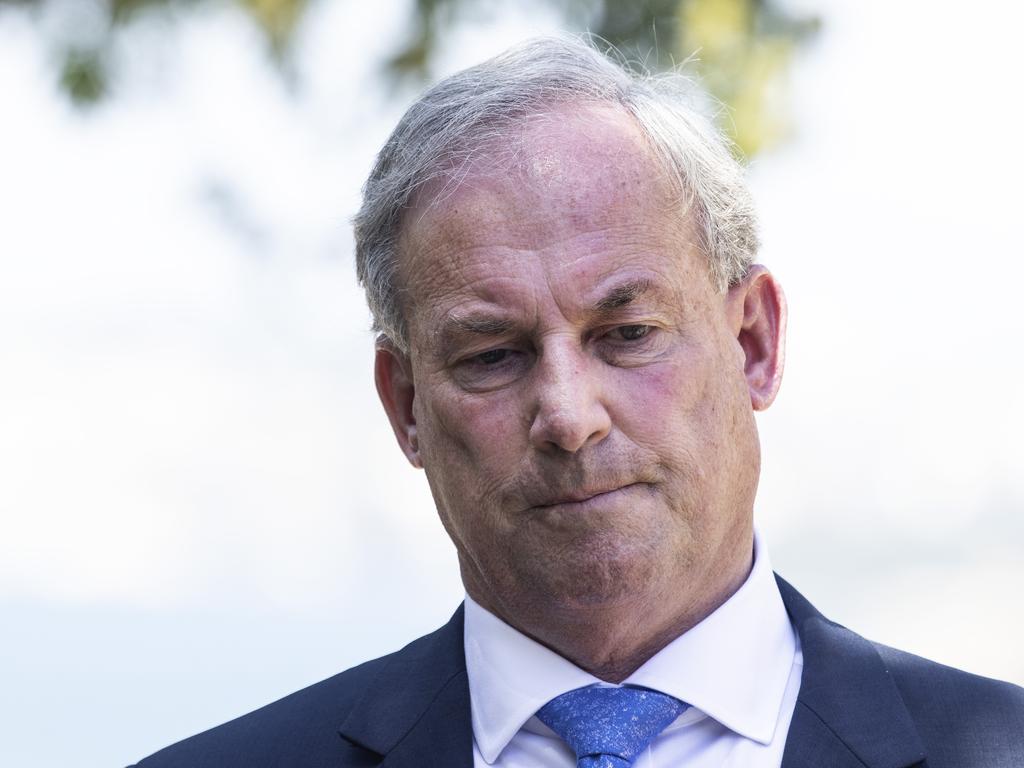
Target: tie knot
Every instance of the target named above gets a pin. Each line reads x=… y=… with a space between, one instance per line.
x=619 y=722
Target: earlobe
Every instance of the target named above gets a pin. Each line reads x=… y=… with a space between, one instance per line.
x=397 y=391
x=759 y=307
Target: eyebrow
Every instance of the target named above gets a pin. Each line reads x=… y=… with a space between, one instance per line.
x=471 y=324
x=622 y=295
x=482 y=325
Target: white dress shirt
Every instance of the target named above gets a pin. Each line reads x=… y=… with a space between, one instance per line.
x=739 y=670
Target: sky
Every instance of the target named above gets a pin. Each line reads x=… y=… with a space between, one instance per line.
x=203 y=508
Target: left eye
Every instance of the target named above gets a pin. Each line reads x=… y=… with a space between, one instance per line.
x=492 y=356
x=632 y=332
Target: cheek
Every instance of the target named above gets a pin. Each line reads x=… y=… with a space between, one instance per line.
x=477 y=439
x=660 y=400
x=683 y=411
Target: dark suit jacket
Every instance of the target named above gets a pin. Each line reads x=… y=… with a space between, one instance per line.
x=861 y=705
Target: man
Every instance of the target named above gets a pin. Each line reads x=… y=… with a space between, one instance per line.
x=573 y=340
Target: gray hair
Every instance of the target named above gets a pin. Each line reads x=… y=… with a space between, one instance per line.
x=439 y=134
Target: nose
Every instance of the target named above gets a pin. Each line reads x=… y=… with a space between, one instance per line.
x=569 y=412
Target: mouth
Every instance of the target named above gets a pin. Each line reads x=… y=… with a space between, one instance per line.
x=586 y=497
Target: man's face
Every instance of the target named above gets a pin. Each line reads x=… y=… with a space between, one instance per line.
x=576 y=388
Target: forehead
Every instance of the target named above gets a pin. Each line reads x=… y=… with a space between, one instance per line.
x=574 y=159
x=573 y=195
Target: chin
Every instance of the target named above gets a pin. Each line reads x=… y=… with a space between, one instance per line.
x=598 y=578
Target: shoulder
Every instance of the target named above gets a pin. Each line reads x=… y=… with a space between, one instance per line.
x=963 y=719
x=882 y=704
x=296 y=730
x=302 y=730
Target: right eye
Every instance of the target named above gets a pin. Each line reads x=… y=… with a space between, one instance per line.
x=492 y=356
x=491 y=369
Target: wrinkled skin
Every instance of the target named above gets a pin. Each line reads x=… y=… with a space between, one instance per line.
x=580 y=394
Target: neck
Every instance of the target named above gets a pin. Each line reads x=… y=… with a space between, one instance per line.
x=612 y=641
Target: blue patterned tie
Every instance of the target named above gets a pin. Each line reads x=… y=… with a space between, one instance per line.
x=609 y=727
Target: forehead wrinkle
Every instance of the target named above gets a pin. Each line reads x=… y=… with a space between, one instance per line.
x=558 y=212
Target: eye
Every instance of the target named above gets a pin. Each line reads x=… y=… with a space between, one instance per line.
x=632 y=344
x=491 y=369
x=492 y=356
x=632 y=332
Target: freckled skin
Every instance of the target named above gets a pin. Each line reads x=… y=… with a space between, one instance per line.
x=515 y=429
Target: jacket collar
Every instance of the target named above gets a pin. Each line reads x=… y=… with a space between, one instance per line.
x=849 y=713
x=416 y=711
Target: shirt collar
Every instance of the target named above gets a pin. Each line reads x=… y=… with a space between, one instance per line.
x=733 y=666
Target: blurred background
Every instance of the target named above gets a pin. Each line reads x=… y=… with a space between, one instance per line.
x=201 y=506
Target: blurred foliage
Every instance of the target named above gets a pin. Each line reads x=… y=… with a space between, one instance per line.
x=744 y=50
x=741 y=49
x=82 y=76
x=278 y=20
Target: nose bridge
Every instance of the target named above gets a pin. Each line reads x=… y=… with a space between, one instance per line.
x=569 y=410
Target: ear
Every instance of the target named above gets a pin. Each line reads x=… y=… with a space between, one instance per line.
x=757 y=316
x=393 y=374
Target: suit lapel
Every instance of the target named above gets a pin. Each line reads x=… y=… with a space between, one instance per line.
x=443 y=736
x=849 y=711
x=417 y=711
x=810 y=743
